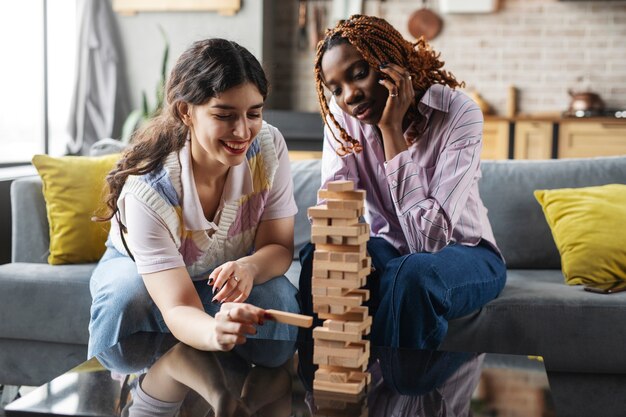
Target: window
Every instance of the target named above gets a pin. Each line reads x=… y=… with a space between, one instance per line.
x=27 y=125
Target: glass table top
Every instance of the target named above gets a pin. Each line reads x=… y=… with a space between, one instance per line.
x=154 y=374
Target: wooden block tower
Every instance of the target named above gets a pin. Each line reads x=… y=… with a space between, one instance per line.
x=340 y=269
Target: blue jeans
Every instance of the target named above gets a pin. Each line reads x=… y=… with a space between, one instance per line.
x=122 y=306
x=412 y=297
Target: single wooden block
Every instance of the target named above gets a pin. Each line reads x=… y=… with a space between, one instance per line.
x=293 y=319
x=338 y=309
x=321 y=221
x=355 y=231
x=321 y=255
x=337 y=266
x=343 y=352
x=335 y=291
x=319 y=291
x=342 y=388
x=324 y=212
x=326 y=334
x=345 y=205
x=343 y=222
x=347 y=283
x=333 y=344
x=321 y=309
x=360 y=249
x=340 y=185
x=334 y=325
x=335 y=274
x=323 y=374
x=341 y=195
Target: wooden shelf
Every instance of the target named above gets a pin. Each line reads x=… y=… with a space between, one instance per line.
x=223 y=7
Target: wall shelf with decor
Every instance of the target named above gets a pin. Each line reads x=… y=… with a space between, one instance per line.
x=223 y=7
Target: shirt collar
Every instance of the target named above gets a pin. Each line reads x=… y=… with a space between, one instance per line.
x=238 y=183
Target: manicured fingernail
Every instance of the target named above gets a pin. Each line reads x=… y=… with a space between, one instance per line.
x=268 y=316
x=216 y=290
x=383 y=65
x=211 y=281
x=214 y=301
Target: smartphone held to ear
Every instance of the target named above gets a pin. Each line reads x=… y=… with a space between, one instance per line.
x=606 y=287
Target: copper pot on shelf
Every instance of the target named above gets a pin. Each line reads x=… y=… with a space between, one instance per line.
x=586 y=101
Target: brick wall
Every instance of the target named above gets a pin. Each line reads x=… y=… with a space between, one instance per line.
x=541 y=46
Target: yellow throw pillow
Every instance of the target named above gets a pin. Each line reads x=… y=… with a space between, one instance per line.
x=589 y=229
x=74 y=190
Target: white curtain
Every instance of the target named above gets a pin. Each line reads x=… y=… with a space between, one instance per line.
x=100 y=102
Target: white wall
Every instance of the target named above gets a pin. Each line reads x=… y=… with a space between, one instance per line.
x=143 y=43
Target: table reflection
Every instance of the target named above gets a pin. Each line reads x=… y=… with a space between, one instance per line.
x=153 y=374
x=268 y=378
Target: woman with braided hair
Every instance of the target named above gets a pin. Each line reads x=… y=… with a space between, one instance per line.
x=396 y=126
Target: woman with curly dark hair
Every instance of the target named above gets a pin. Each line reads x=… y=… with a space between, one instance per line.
x=398 y=128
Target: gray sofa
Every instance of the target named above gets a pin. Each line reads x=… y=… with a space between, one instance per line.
x=582 y=336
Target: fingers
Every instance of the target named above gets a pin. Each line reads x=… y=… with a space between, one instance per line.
x=399 y=82
x=244 y=313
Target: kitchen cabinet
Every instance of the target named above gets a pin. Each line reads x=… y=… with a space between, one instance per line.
x=533 y=139
x=586 y=138
x=495 y=139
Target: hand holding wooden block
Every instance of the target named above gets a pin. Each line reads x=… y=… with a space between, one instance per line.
x=299 y=320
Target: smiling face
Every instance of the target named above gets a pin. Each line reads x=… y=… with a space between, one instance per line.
x=223 y=128
x=354 y=83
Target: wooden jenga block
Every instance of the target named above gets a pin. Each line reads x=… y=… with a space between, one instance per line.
x=338 y=309
x=321 y=222
x=347 y=283
x=321 y=309
x=334 y=344
x=335 y=274
x=323 y=374
x=356 y=231
x=333 y=204
x=348 y=351
x=351 y=387
x=326 y=334
x=321 y=255
x=293 y=319
x=332 y=359
x=340 y=185
x=334 y=325
x=358 y=327
x=319 y=291
x=352 y=298
x=323 y=212
x=338 y=265
x=341 y=195
x=335 y=291
x=361 y=249
x=359 y=314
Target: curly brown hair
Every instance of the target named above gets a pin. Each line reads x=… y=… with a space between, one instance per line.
x=205 y=70
x=379 y=43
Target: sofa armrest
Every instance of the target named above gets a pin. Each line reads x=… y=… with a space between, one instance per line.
x=30 y=236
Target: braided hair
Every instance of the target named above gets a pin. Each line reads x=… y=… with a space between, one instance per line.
x=379 y=42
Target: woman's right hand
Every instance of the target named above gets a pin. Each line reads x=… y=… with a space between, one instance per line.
x=233 y=323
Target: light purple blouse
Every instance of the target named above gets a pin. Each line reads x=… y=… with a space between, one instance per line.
x=427 y=196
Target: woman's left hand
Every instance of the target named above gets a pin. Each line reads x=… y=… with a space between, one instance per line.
x=401 y=95
x=233 y=282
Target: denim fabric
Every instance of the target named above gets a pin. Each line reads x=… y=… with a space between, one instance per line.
x=412 y=297
x=122 y=306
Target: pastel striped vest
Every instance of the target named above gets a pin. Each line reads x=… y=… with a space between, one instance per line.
x=162 y=192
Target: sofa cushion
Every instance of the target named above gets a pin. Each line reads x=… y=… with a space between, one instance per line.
x=519 y=226
x=44 y=302
x=74 y=188
x=574 y=330
x=588 y=228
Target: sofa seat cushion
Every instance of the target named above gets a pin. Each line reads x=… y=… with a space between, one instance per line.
x=536 y=313
x=48 y=303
